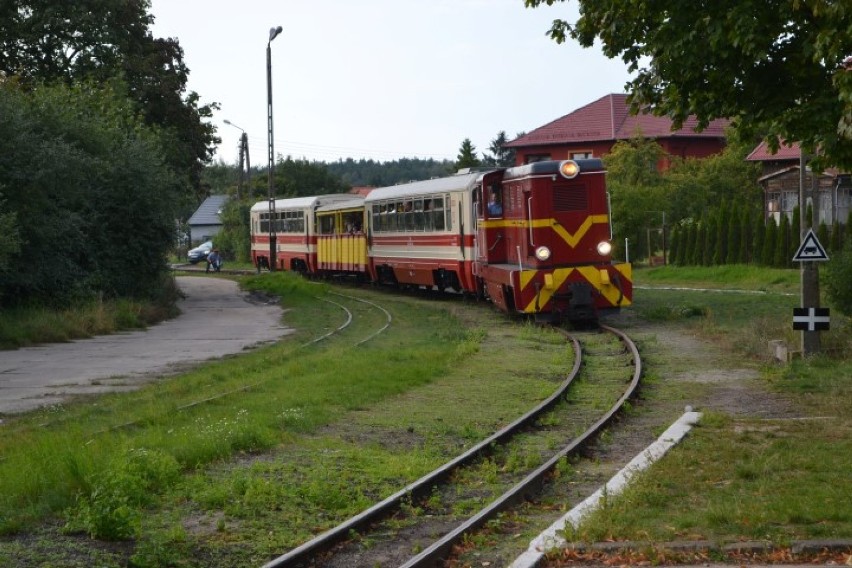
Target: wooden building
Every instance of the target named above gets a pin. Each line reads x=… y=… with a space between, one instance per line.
x=780 y=182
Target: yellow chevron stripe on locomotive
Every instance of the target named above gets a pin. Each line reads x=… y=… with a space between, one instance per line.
x=539 y=286
x=571 y=239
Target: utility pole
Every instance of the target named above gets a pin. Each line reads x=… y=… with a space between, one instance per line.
x=245 y=150
x=244 y=160
x=273 y=239
x=242 y=171
x=809 y=270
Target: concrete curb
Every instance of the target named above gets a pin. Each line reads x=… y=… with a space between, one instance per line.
x=550 y=538
x=750 y=547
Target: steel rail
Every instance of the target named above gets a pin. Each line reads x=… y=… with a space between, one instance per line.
x=388 y=316
x=440 y=550
x=301 y=555
x=343 y=326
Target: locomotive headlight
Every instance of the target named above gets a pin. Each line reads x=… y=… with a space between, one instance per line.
x=569 y=169
x=542 y=253
x=604 y=248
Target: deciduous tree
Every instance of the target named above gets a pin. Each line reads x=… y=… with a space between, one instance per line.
x=93 y=198
x=46 y=41
x=777 y=68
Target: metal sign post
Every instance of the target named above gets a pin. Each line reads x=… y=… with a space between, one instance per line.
x=806 y=256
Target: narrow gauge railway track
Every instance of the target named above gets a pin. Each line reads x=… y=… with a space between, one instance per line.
x=419 y=525
x=349 y=319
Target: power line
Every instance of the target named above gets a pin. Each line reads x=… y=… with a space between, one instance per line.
x=298 y=149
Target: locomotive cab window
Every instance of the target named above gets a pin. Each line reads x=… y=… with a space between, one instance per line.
x=495 y=201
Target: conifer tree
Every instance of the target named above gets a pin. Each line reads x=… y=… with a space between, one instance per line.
x=720 y=252
x=758 y=236
x=700 y=237
x=683 y=253
x=709 y=251
x=846 y=232
x=734 y=235
x=836 y=244
x=467 y=155
x=744 y=221
x=795 y=226
x=687 y=240
x=822 y=235
x=781 y=258
x=770 y=242
x=674 y=244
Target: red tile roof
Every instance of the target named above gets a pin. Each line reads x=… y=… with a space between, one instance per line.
x=785 y=152
x=609 y=118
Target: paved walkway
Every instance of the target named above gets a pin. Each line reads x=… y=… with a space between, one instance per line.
x=216 y=319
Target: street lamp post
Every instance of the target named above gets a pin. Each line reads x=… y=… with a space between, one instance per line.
x=244 y=159
x=273 y=248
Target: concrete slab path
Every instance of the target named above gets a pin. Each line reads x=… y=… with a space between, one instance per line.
x=216 y=319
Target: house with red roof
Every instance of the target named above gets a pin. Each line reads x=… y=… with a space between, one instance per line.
x=831 y=201
x=592 y=131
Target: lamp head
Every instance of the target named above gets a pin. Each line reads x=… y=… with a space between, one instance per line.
x=273 y=32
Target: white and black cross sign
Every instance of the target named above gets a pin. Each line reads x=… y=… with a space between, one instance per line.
x=810 y=319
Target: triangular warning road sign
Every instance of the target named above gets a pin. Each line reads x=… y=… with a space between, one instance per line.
x=810 y=249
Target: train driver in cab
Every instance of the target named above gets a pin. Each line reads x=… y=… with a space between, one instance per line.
x=495 y=205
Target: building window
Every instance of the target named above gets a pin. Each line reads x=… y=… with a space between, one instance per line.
x=530 y=158
x=581 y=155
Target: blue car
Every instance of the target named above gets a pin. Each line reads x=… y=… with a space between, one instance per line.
x=200 y=252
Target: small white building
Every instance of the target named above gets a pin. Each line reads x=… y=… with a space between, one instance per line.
x=206 y=223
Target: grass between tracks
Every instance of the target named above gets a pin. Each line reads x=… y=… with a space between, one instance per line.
x=737 y=478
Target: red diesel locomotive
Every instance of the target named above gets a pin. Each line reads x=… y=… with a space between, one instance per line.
x=534 y=239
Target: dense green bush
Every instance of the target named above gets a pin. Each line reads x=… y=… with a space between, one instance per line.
x=838 y=279
x=89 y=201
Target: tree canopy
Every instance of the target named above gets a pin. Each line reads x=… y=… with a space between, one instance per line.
x=88 y=203
x=642 y=195
x=779 y=69
x=100 y=147
x=55 y=41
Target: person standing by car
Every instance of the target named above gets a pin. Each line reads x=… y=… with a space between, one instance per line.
x=214 y=260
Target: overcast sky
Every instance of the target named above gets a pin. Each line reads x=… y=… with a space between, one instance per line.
x=382 y=79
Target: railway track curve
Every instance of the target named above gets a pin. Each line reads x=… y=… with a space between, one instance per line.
x=336 y=546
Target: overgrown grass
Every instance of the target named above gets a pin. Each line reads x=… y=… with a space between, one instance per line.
x=736 y=478
x=311 y=434
x=290 y=390
x=740 y=276
x=75 y=461
x=30 y=325
x=743 y=308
